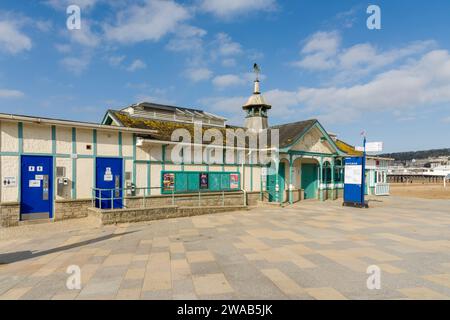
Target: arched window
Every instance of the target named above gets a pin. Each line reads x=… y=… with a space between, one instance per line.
x=326 y=172
x=338 y=171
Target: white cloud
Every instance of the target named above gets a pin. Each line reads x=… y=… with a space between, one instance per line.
x=7 y=93
x=421 y=83
x=325 y=42
x=224 y=46
x=230 y=8
x=12 y=39
x=231 y=106
x=63 y=4
x=63 y=48
x=115 y=60
x=319 y=51
x=227 y=80
x=416 y=85
x=322 y=51
x=85 y=36
x=198 y=74
x=148 y=22
x=76 y=65
x=188 y=38
x=137 y=65
x=229 y=62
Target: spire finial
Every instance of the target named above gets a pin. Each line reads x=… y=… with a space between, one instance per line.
x=257 y=71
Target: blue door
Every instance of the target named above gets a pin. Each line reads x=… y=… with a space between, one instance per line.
x=36 y=187
x=109 y=177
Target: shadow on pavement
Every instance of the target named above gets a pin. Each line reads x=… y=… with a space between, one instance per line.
x=12 y=257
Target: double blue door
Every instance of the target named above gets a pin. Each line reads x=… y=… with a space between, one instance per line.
x=36 y=186
x=109 y=179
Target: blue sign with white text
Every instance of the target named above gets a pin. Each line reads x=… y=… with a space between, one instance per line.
x=353 y=180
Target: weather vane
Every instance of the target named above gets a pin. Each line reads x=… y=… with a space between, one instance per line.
x=257 y=70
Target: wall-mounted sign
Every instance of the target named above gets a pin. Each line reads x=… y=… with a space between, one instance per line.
x=203 y=181
x=9 y=182
x=34 y=183
x=234 y=181
x=168 y=181
x=31 y=168
x=108 y=176
x=39 y=168
x=39 y=177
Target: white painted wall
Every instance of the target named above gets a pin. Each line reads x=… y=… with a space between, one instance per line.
x=9 y=136
x=85 y=172
x=37 y=138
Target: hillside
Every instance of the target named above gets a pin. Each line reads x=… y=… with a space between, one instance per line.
x=409 y=155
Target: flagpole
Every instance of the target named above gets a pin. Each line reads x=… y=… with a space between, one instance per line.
x=363 y=172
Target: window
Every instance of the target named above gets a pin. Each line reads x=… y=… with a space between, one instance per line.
x=326 y=172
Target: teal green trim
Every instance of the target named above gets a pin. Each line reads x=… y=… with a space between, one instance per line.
x=19 y=154
x=74 y=163
x=53 y=140
x=149 y=178
x=182 y=159
x=134 y=158
x=94 y=164
x=330 y=141
x=291 y=177
x=54 y=168
x=20 y=134
x=223 y=160
x=120 y=143
x=163 y=156
x=57 y=155
x=10 y=153
x=251 y=172
x=321 y=179
x=194 y=164
x=307 y=153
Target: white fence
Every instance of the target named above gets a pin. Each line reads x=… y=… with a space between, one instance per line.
x=382 y=189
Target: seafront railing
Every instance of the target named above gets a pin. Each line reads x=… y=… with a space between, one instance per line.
x=119 y=198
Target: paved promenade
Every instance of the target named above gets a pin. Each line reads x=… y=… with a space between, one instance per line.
x=310 y=250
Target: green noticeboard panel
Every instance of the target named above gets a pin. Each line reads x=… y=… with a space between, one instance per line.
x=193 y=181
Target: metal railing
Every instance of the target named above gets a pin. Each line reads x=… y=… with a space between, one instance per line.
x=120 y=198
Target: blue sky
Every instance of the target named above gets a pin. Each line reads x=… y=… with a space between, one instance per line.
x=318 y=60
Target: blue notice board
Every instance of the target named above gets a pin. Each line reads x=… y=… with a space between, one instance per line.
x=353 y=180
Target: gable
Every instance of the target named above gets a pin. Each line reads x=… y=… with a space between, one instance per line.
x=313 y=141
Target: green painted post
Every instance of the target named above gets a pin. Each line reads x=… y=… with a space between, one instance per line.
x=333 y=183
x=164 y=157
x=320 y=179
x=251 y=172
x=149 y=175
x=54 y=168
x=74 y=163
x=291 y=177
x=94 y=154
x=20 y=136
x=120 y=144
x=277 y=179
x=134 y=159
